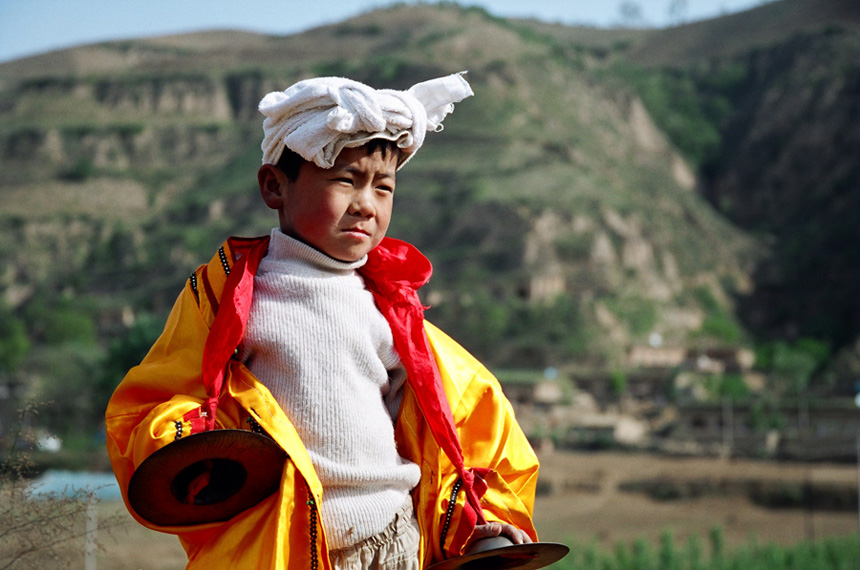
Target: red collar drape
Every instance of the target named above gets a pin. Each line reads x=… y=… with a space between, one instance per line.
x=394 y=272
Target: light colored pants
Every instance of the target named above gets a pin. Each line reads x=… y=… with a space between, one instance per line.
x=395 y=548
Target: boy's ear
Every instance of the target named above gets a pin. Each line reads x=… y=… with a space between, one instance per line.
x=271 y=179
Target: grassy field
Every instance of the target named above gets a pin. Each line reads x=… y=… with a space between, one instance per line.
x=583 y=506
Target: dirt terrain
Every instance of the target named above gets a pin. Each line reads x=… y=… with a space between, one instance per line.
x=582 y=503
x=586 y=504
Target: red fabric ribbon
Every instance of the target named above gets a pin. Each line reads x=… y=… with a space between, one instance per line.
x=228 y=328
x=393 y=273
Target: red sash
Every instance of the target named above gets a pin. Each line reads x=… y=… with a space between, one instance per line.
x=393 y=273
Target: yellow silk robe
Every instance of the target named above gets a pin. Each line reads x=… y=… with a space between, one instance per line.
x=277 y=533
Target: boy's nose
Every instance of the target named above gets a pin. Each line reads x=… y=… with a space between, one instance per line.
x=362 y=204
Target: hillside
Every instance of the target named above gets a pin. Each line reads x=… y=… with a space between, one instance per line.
x=762 y=103
x=786 y=166
x=566 y=218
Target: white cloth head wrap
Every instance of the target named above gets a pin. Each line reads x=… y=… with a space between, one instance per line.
x=317 y=118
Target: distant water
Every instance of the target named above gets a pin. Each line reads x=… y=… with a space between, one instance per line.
x=66 y=483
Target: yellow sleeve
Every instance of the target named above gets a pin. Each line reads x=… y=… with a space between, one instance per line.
x=490 y=438
x=142 y=413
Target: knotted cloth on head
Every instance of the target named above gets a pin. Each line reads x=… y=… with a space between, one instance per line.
x=317 y=118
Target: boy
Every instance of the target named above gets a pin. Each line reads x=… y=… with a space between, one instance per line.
x=401 y=449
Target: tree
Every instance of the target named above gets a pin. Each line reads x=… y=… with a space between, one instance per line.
x=124 y=353
x=618 y=382
x=40 y=530
x=631 y=14
x=677 y=12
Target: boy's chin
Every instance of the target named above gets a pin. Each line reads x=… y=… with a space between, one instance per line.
x=344 y=258
x=349 y=255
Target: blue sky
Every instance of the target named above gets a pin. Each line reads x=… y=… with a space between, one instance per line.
x=28 y=27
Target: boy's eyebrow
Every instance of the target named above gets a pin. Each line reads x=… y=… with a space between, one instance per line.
x=353 y=170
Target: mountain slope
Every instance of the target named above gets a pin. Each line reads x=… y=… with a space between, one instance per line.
x=787 y=163
x=563 y=223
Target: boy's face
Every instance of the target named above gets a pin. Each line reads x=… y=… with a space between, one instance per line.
x=342 y=211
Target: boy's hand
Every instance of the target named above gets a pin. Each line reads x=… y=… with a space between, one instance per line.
x=494 y=529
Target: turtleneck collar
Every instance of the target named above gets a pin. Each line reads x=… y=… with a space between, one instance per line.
x=288 y=253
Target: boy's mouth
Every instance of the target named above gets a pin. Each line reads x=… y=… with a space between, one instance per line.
x=357 y=231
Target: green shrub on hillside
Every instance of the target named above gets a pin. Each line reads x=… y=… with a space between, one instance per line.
x=766 y=415
x=793 y=365
x=69 y=325
x=690 y=106
x=719 y=324
x=82 y=169
x=59 y=321
x=639 y=314
x=731 y=386
x=721 y=327
x=513 y=332
x=14 y=344
x=67 y=391
x=618 y=382
x=124 y=352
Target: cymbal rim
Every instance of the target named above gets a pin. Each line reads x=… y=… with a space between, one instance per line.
x=528 y=556
x=153 y=494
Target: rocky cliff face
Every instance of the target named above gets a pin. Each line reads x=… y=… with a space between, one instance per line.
x=789 y=170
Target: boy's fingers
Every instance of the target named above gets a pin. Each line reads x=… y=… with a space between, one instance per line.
x=493 y=529
x=488 y=530
x=516 y=535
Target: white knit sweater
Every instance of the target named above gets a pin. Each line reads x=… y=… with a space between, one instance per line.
x=316 y=339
